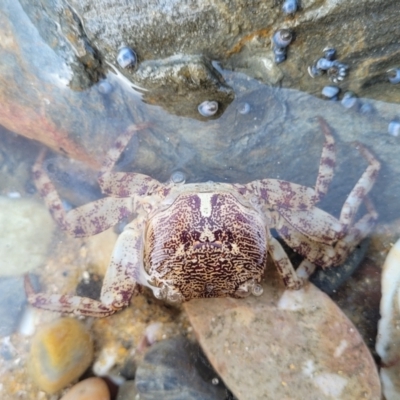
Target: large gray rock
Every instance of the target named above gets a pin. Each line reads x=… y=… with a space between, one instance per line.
x=89 y=34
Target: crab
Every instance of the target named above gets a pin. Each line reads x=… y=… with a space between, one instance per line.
x=206 y=239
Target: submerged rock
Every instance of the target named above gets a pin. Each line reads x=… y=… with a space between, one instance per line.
x=89 y=36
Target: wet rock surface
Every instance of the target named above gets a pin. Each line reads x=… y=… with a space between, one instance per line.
x=91 y=35
x=299 y=339
x=176 y=369
x=263 y=132
x=274 y=138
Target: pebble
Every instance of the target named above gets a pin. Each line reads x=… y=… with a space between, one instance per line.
x=61 y=351
x=26 y=232
x=88 y=389
x=176 y=369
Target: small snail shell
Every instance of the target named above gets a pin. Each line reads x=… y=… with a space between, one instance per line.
x=350 y=100
x=126 y=57
x=282 y=38
x=394 y=128
x=324 y=64
x=244 y=108
x=178 y=177
x=330 y=53
x=330 y=92
x=279 y=54
x=313 y=71
x=366 y=108
x=393 y=75
x=289 y=6
x=208 y=108
x=104 y=87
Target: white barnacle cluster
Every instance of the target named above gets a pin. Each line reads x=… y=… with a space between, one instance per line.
x=328 y=64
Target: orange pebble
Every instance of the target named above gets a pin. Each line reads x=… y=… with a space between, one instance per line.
x=88 y=389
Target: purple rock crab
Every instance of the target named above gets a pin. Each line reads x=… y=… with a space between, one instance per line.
x=206 y=239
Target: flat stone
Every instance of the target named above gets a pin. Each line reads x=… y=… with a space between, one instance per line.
x=285 y=344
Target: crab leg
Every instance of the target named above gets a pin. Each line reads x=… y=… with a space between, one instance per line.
x=122 y=184
x=326 y=164
x=283 y=264
x=287 y=195
x=323 y=254
x=87 y=220
x=120 y=283
x=361 y=189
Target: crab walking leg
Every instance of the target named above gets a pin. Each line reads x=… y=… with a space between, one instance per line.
x=305 y=269
x=120 y=283
x=278 y=193
x=327 y=163
x=361 y=189
x=66 y=304
x=283 y=264
x=122 y=184
x=323 y=254
x=126 y=270
x=87 y=220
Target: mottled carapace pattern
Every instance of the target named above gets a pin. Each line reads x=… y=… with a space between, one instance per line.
x=206 y=245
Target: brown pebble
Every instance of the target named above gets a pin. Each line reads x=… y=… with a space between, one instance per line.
x=60 y=353
x=88 y=389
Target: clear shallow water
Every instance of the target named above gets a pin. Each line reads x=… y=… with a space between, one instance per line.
x=277 y=137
